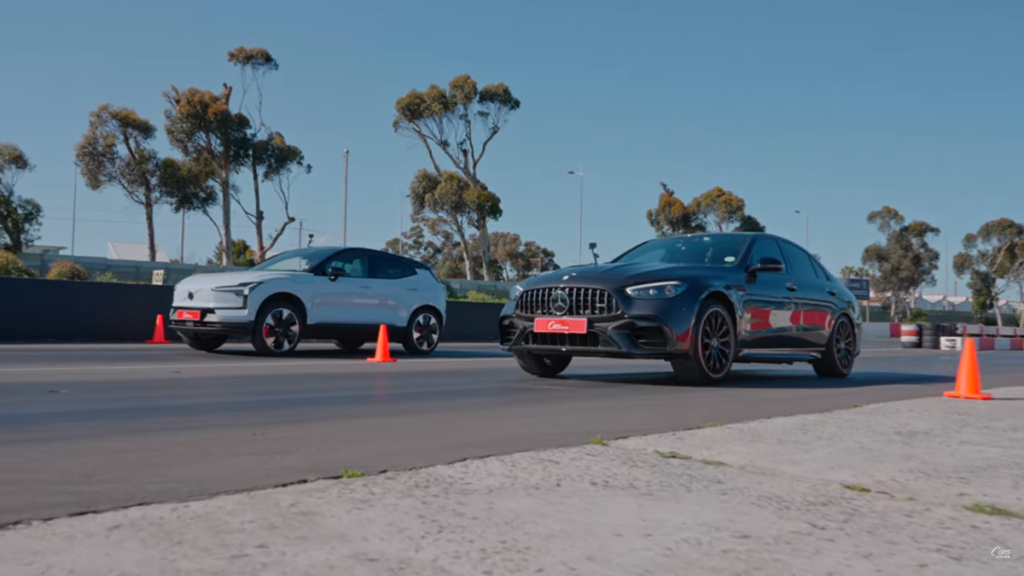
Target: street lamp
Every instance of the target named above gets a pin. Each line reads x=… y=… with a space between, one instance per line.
x=580 y=174
x=74 y=208
x=807 y=230
x=344 y=207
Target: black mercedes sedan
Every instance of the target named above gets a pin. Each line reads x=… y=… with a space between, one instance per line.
x=700 y=301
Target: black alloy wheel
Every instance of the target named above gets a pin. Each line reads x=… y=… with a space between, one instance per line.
x=713 y=350
x=423 y=333
x=278 y=329
x=837 y=360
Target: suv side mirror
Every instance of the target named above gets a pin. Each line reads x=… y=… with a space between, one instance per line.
x=334 y=271
x=766 y=264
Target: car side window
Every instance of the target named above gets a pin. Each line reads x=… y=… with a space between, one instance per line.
x=766 y=248
x=356 y=264
x=800 y=263
x=389 y=268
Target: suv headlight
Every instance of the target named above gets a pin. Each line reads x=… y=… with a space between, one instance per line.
x=656 y=290
x=242 y=289
x=514 y=292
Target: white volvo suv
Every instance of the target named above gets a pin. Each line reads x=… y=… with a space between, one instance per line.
x=339 y=294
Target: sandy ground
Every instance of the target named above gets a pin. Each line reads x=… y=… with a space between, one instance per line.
x=763 y=497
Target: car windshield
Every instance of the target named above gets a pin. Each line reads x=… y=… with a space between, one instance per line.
x=693 y=249
x=300 y=260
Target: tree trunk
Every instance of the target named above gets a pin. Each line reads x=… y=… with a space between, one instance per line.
x=485 y=249
x=225 y=207
x=999 y=313
x=260 y=251
x=150 y=234
x=465 y=253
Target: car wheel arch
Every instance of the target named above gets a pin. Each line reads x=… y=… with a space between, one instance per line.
x=289 y=298
x=722 y=297
x=429 y=308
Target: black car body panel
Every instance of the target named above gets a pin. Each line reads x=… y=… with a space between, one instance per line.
x=780 y=316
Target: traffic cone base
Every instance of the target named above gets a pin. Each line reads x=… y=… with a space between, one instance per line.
x=158 y=332
x=968 y=377
x=383 y=353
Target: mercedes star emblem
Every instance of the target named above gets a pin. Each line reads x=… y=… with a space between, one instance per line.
x=559 y=302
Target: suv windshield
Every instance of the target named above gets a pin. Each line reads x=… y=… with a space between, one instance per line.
x=694 y=249
x=300 y=260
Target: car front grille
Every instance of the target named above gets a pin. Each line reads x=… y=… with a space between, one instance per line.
x=588 y=340
x=583 y=302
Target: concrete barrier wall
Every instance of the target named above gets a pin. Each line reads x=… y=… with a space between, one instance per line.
x=64 y=311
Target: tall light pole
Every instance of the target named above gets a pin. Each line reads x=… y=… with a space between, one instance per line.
x=182 y=258
x=580 y=174
x=74 y=209
x=344 y=207
x=807 y=230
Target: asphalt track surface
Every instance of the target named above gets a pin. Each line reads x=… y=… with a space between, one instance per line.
x=87 y=428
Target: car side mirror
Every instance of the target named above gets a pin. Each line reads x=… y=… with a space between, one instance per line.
x=766 y=264
x=334 y=271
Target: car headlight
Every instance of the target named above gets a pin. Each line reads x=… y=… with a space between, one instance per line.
x=243 y=289
x=514 y=293
x=656 y=290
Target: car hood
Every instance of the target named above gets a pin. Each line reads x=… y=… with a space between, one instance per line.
x=215 y=279
x=617 y=275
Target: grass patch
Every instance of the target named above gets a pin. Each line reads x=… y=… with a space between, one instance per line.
x=910 y=499
x=713 y=425
x=672 y=455
x=713 y=462
x=857 y=488
x=858 y=405
x=346 y=473
x=598 y=441
x=993 y=510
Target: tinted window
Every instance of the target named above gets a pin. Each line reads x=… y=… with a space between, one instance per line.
x=822 y=273
x=695 y=249
x=300 y=260
x=390 y=268
x=766 y=248
x=355 y=263
x=800 y=263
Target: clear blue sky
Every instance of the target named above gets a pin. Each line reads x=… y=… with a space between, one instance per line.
x=832 y=108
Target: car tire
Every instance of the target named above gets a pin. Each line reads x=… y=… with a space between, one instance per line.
x=543 y=366
x=349 y=345
x=204 y=342
x=422 y=333
x=714 y=347
x=838 y=358
x=278 y=328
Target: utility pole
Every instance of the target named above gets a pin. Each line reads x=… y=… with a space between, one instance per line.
x=300 y=233
x=807 y=230
x=580 y=174
x=344 y=207
x=182 y=258
x=74 y=209
x=401 y=226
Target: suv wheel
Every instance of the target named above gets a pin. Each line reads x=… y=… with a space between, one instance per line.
x=714 y=346
x=423 y=332
x=837 y=360
x=204 y=342
x=278 y=329
x=543 y=366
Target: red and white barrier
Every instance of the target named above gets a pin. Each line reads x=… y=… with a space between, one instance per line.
x=981 y=343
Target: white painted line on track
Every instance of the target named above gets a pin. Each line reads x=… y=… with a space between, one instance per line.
x=231 y=365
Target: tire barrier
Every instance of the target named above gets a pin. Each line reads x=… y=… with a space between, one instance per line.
x=910 y=335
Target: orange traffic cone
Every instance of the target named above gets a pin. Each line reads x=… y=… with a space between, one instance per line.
x=968 y=379
x=383 y=353
x=158 y=332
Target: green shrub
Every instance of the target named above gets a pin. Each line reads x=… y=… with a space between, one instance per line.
x=105 y=276
x=475 y=296
x=12 y=267
x=918 y=315
x=66 y=270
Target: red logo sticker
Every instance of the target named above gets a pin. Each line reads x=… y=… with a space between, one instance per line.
x=560 y=325
x=187 y=315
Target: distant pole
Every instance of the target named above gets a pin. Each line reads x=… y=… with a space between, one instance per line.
x=300 y=233
x=182 y=258
x=807 y=230
x=74 y=209
x=344 y=208
x=580 y=174
x=401 y=226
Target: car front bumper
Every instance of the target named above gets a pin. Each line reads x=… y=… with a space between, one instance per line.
x=229 y=323
x=649 y=329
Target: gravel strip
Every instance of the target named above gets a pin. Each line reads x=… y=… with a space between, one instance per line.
x=763 y=497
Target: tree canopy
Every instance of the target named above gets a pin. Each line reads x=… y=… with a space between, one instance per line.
x=20 y=217
x=993 y=260
x=460 y=123
x=904 y=261
x=717 y=210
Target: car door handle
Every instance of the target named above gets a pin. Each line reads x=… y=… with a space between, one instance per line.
x=791 y=287
x=832 y=292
